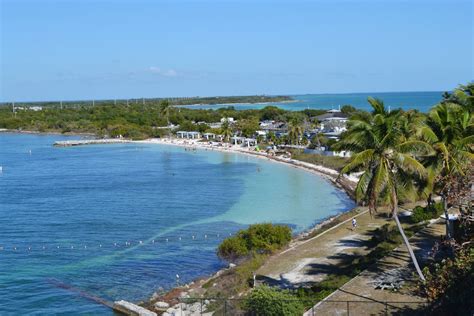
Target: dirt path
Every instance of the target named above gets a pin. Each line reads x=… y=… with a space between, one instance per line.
x=312 y=260
x=366 y=300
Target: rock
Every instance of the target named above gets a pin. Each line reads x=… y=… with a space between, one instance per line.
x=131 y=309
x=162 y=305
x=232 y=265
x=166 y=314
x=206 y=302
x=170 y=310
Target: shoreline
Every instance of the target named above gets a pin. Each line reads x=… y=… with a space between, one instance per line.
x=326 y=173
x=325 y=224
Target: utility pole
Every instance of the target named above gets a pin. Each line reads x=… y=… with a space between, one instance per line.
x=143 y=101
x=61 y=104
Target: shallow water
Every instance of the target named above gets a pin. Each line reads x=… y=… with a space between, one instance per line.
x=421 y=101
x=111 y=208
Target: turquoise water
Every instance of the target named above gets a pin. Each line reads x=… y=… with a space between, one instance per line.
x=111 y=208
x=421 y=101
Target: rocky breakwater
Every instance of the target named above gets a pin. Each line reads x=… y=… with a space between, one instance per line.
x=81 y=142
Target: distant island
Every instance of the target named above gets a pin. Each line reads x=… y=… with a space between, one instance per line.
x=176 y=101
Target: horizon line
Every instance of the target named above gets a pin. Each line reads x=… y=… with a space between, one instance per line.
x=220 y=96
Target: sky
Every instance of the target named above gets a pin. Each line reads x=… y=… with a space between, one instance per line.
x=73 y=49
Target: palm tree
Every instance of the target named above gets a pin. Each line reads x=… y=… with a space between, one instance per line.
x=295 y=131
x=462 y=95
x=449 y=129
x=165 y=109
x=387 y=158
x=226 y=130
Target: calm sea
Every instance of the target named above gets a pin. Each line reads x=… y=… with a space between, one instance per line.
x=421 y=101
x=118 y=221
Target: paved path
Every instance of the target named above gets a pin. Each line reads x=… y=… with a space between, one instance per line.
x=312 y=260
x=365 y=300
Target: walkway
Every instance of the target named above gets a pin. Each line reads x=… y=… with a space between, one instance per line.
x=366 y=300
x=312 y=260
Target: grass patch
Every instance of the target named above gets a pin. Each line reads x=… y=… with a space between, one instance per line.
x=332 y=162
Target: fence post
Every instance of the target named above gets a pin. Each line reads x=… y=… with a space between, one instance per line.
x=348 y=313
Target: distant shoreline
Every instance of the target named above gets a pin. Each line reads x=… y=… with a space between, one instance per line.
x=232 y=104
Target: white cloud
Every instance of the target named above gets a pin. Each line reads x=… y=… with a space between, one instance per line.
x=163 y=72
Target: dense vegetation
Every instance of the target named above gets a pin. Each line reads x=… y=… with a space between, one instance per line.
x=257 y=239
x=270 y=301
x=138 y=121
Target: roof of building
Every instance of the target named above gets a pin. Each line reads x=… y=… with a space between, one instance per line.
x=330 y=115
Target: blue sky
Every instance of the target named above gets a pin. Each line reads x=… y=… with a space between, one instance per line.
x=65 y=50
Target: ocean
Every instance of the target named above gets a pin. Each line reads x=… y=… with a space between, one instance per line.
x=421 y=101
x=120 y=221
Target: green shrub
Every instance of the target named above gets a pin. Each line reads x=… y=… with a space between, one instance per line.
x=232 y=248
x=265 y=237
x=421 y=214
x=258 y=238
x=265 y=300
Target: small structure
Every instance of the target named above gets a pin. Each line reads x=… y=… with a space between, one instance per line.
x=191 y=135
x=209 y=136
x=237 y=140
x=227 y=119
x=181 y=134
x=250 y=142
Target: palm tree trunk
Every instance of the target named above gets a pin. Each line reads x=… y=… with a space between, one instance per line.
x=405 y=239
x=410 y=250
x=445 y=209
x=407 y=243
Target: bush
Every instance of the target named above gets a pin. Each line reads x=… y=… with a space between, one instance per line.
x=266 y=300
x=450 y=283
x=233 y=247
x=421 y=214
x=258 y=238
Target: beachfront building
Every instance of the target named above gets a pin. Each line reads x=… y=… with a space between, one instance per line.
x=188 y=135
x=332 y=123
x=236 y=140
x=209 y=136
x=250 y=142
x=273 y=126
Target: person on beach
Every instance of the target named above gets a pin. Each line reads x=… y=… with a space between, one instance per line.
x=354 y=224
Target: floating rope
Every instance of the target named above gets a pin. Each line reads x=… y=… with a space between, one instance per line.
x=30 y=248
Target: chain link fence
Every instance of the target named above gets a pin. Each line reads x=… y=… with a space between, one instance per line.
x=224 y=307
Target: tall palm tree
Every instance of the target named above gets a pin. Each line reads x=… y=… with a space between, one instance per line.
x=226 y=130
x=387 y=158
x=165 y=109
x=295 y=131
x=449 y=129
